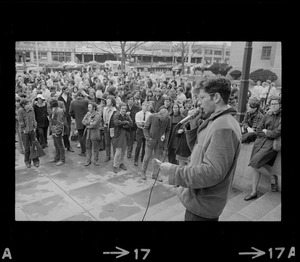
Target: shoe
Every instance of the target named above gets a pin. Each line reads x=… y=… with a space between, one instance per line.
x=37 y=164
x=135 y=163
x=82 y=154
x=158 y=178
x=53 y=161
x=28 y=165
x=122 y=166
x=250 y=197
x=59 y=163
x=107 y=159
x=70 y=149
x=78 y=145
x=116 y=170
x=128 y=156
x=87 y=163
x=96 y=163
x=143 y=175
x=274 y=186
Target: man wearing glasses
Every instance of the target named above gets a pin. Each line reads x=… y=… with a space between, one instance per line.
x=204 y=183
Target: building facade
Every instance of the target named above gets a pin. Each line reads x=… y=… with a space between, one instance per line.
x=150 y=52
x=265 y=55
x=48 y=51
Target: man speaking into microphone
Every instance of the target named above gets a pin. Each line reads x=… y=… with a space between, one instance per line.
x=205 y=182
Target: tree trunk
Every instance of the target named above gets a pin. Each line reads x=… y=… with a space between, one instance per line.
x=182 y=61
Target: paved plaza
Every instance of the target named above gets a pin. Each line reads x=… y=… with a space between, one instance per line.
x=75 y=192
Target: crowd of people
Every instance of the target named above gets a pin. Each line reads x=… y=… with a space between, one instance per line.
x=111 y=110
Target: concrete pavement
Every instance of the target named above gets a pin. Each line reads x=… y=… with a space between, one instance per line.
x=73 y=192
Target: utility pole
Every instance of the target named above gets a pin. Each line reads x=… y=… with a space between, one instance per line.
x=37 y=54
x=189 y=58
x=244 y=84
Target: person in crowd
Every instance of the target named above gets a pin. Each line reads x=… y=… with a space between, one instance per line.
x=233 y=99
x=132 y=108
x=92 y=122
x=66 y=99
x=175 y=117
x=27 y=124
x=78 y=109
x=215 y=149
x=41 y=117
x=262 y=153
x=122 y=124
x=18 y=131
x=180 y=95
x=156 y=131
x=256 y=92
x=272 y=92
x=149 y=95
x=168 y=104
x=188 y=90
x=74 y=92
x=263 y=94
x=140 y=120
x=158 y=100
x=108 y=113
x=57 y=131
x=251 y=120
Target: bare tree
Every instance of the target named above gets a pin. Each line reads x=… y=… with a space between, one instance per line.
x=121 y=50
x=182 y=49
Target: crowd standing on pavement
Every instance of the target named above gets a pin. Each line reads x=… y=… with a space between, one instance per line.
x=111 y=110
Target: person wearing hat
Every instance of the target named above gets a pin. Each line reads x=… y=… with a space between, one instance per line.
x=251 y=120
x=41 y=116
x=27 y=125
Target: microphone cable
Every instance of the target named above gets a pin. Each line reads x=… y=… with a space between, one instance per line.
x=152 y=189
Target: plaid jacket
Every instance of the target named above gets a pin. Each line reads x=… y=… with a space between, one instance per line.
x=252 y=120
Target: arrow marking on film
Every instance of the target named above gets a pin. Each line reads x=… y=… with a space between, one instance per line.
x=122 y=253
x=258 y=253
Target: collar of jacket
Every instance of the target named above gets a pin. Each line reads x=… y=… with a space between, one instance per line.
x=270 y=112
x=214 y=116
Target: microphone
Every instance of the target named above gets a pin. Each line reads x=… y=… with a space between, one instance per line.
x=192 y=115
x=184 y=120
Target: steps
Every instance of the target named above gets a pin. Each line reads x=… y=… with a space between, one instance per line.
x=266 y=207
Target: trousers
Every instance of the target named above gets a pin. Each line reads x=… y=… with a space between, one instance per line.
x=27 y=139
x=59 y=148
x=189 y=216
x=92 y=146
x=152 y=146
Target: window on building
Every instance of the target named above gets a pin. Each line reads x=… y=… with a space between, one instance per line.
x=61 y=56
x=217 y=52
x=227 y=53
x=266 y=52
x=42 y=56
x=208 y=52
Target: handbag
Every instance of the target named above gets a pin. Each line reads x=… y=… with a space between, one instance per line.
x=277 y=144
x=36 y=150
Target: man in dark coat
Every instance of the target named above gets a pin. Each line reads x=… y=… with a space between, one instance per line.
x=158 y=100
x=66 y=99
x=78 y=109
x=132 y=108
x=123 y=123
